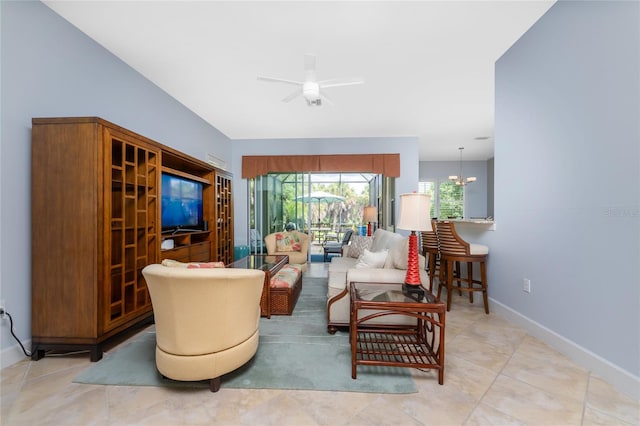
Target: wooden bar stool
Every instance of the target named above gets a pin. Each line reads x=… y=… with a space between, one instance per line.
x=431 y=252
x=454 y=249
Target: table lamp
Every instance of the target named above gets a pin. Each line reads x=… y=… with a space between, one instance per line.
x=414 y=216
x=370 y=216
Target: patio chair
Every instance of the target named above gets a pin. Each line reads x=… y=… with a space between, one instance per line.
x=334 y=247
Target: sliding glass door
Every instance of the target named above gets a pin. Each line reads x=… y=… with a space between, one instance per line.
x=323 y=205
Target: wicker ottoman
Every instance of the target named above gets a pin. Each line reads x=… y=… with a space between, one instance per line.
x=286 y=285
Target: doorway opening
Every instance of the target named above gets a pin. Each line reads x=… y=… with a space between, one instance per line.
x=322 y=205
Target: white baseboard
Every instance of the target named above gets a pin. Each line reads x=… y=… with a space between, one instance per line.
x=14 y=354
x=616 y=376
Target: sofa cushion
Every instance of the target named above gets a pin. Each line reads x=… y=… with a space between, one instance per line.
x=286 y=241
x=338 y=272
x=398 y=257
x=372 y=259
x=286 y=277
x=383 y=239
x=342 y=263
x=377 y=275
x=398 y=254
x=358 y=244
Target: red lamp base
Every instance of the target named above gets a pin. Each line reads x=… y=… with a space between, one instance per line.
x=412 y=283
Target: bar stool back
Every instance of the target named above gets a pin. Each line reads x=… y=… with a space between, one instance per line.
x=454 y=249
x=431 y=252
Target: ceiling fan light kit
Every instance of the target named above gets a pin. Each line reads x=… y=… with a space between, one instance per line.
x=311 y=89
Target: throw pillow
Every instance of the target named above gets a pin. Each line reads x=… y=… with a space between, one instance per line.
x=358 y=244
x=372 y=259
x=287 y=241
x=203 y=265
x=398 y=253
x=191 y=265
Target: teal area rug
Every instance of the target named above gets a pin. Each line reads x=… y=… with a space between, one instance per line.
x=295 y=352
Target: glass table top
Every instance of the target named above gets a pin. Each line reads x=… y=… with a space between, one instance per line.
x=257 y=261
x=376 y=292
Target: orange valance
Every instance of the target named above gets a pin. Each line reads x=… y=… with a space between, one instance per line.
x=259 y=165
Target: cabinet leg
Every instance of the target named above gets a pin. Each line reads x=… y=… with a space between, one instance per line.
x=37 y=354
x=96 y=353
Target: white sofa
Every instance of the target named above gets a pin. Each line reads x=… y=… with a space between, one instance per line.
x=343 y=270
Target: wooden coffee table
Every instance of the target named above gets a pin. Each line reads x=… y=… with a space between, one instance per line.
x=270 y=264
x=392 y=340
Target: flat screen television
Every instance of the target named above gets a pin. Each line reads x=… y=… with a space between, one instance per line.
x=181 y=204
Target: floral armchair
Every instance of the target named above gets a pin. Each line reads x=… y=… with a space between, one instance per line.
x=294 y=244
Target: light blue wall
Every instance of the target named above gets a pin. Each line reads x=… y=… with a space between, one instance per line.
x=567 y=182
x=475 y=197
x=567 y=177
x=51 y=69
x=407 y=147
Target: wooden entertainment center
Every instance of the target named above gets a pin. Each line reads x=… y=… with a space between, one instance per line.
x=96 y=223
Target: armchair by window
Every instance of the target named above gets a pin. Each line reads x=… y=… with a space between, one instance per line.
x=294 y=244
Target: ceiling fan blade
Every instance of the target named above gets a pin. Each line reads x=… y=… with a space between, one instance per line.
x=337 y=82
x=326 y=99
x=293 y=95
x=280 y=80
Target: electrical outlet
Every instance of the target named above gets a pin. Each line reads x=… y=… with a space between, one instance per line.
x=3 y=312
x=526 y=285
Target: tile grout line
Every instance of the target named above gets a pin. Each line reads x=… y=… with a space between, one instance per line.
x=498 y=374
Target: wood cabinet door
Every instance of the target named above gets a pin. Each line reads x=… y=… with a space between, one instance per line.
x=224 y=218
x=132 y=225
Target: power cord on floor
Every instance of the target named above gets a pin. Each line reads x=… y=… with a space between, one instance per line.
x=2 y=314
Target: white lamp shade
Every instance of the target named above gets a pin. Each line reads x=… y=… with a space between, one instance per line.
x=414 y=212
x=370 y=214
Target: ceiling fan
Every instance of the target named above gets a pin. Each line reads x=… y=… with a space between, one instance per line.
x=312 y=89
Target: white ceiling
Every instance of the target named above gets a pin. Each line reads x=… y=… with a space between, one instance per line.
x=428 y=66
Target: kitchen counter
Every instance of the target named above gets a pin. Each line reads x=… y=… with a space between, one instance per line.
x=489 y=224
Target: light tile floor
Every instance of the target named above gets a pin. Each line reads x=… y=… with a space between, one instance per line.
x=495 y=374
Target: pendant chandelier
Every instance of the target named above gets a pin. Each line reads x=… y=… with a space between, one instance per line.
x=460 y=180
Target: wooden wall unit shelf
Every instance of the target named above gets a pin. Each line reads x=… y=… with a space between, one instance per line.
x=188 y=247
x=96 y=223
x=224 y=218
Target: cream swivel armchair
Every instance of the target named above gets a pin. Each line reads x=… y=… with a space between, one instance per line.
x=206 y=320
x=296 y=246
